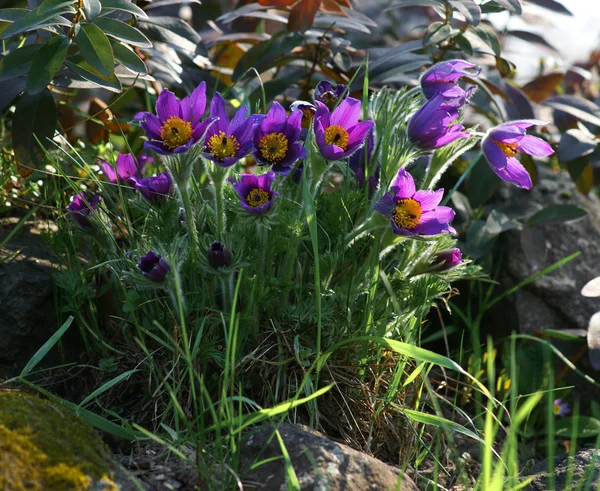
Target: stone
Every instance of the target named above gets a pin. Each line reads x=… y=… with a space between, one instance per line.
x=27 y=317
x=44 y=446
x=319 y=463
x=584 y=468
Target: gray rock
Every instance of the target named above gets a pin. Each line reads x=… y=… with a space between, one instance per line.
x=584 y=468
x=26 y=291
x=319 y=463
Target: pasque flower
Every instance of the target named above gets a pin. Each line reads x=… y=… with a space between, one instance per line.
x=155 y=187
x=442 y=78
x=414 y=212
x=255 y=192
x=434 y=125
x=81 y=208
x=219 y=255
x=502 y=143
x=227 y=142
x=125 y=167
x=447 y=259
x=154 y=267
x=359 y=162
x=308 y=114
x=276 y=139
x=176 y=125
x=329 y=94
x=560 y=408
x=339 y=134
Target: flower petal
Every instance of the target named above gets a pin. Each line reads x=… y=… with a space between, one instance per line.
x=217 y=110
x=193 y=106
x=167 y=106
x=404 y=185
x=322 y=115
x=515 y=172
x=385 y=205
x=429 y=199
x=347 y=113
x=535 y=146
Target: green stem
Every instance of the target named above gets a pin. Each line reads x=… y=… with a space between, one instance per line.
x=189 y=216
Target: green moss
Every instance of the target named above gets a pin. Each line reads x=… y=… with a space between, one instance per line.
x=45 y=447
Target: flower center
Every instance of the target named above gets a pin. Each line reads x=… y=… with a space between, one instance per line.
x=509 y=149
x=222 y=145
x=336 y=135
x=407 y=213
x=556 y=409
x=257 y=197
x=308 y=113
x=175 y=132
x=273 y=147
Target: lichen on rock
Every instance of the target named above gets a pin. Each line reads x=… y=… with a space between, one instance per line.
x=46 y=447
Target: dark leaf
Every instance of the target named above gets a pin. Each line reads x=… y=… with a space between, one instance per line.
x=552 y=5
x=35 y=116
x=513 y=6
x=11 y=89
x=575 y=106
x=55 y=6
x=123 y=5
x=173 y=31
x=529 y=164
x=18 y=62
x=468 y=9
x=518 y=106
x=543 y=86
x=556 y=213
x=531 y=37
x=96 y=49
x=302 y=16
x=123 y=32
x=241 y=12
x=487 y=34
x=92 y=9
x=129 y=59
x=438 y=32
x=481 y=184
x=416 y=3
x=33 y=20
x=575 y=143
x=46 y=63
x=582 y=173
x=12 y=15
x=504 y=66
x=165 y=3
x=347 y=23
x=87 y=72
x=464 y=44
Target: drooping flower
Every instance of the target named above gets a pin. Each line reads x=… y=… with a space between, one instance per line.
x=415 y=212
x=154 y=267
x=153 y=188
x=329 y=94
x=125 y=167
x=560 y=408
x=219 y=255
x=339 y=134
x=434 y=125
x=81 y=208
x=255 y=192
x=308 y=114
x=358 y=162
x=442 y=78
x=276 y=139
x=176 y=125
x=445 y=260
x=502 y=143
x=227 y=142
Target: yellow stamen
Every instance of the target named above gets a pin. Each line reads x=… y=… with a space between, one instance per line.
x=556 y=409
x=509 y=149
x=308 y=113
x=257 y=197
x=273 y=147
x=336 y=135
x=407 y=213
x=222 y=146
x=175 y=132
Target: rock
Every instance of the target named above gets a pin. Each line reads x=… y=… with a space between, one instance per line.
x=26 y=292
x=584 y=468
x=46 y=447
x=319 y=463
x=553 y=301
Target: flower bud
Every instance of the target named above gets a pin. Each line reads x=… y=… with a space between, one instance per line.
x=219 y=255
x=154 y=267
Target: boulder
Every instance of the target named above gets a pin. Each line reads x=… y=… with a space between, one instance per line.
x=584 y=469
x=319 y=463
x=46 y=447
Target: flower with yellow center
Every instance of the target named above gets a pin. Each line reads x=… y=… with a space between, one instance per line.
x=273 y=147
x=509 y=149
x=175 y=132
x=336 y=135
x=257 y=197
x=407 y=213
x=223 y=146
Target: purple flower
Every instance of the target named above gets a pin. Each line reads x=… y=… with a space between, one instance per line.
x=125 y=166
x=155 y=187
x=358 y=163
x=308 y=114
x=447 y=259
x=330 y=94
x=442 y=78
x=560 y=408
x=415 y=212
x=255 y=192
x=434 y=125
x=219 y=255
x=276 y=139
x=227 y=142
x=339 y=134
x=502 y=143
x=81 y=208
x=154 y=267
x=177 y=126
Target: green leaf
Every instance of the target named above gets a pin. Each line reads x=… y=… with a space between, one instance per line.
x=513 y=6
x=106 y=386
x=125 y=6
x=438 y=32
x=123 y=32
x=556 y=213
x=432 y=419
x=46 y=63
x=488 y=36
x=85 y=71
x=96 y=49
x=582 y=173
x=34 y=20
x=48 y=345
x=585 y=427
x=468 y=9
x=129 y=59
x=12 y=15
x=35 y=116
x=18 y=62
x=54 y=6
x=92 y=9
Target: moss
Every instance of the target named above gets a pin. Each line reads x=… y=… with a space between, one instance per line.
x=45 y=447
